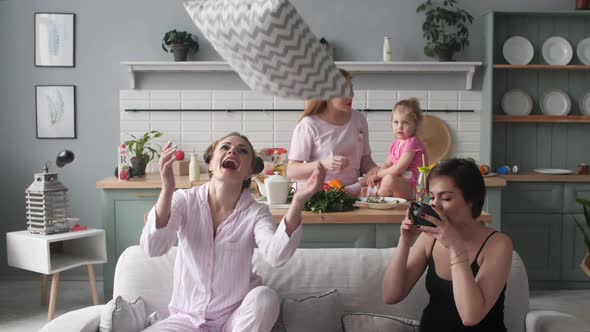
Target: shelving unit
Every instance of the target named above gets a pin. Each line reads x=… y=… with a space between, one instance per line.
x=468 y=68
x=534 y=206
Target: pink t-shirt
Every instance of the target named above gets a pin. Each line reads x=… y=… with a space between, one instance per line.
x=314 y=139
x=412 y=144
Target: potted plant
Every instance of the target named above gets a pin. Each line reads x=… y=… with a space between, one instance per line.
x=585 y=265
x=142 y=151
x=445 y=28
x=179 y=43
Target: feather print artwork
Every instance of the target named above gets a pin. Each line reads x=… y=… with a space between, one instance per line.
x=55 y=107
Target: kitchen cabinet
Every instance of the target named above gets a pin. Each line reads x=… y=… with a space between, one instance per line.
x=573 y=250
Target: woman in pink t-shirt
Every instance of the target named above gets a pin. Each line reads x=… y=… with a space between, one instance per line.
x=333 y=134
x=399 y=173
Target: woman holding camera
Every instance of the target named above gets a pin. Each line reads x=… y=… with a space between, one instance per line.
x=468 y=263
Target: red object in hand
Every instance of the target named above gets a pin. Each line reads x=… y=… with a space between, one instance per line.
x=179 y=155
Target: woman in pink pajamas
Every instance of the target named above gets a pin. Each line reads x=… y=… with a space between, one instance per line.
x=218 y=225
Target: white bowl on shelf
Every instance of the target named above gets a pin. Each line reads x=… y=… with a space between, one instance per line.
x=555 y=102
x=518 y=50
x=517 y=102
x=583 y=51
x=557 y=51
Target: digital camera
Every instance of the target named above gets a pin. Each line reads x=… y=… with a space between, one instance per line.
x=417 y=209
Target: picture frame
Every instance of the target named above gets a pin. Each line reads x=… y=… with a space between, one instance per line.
x=55 y=111
x=55 y=37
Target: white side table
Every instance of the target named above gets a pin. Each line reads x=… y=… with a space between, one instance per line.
x=51 y=254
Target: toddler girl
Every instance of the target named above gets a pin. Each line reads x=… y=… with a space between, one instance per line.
x=399 y=173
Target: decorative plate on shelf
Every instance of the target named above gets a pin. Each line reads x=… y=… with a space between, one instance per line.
x=517 y=102
x=557 y=51
x=555 y=102
x=585 y=103
x=583 y=51
x=553 y=171
x=380 y=203
x=518 y=50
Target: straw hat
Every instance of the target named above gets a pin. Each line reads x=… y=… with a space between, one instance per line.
x=436 y=137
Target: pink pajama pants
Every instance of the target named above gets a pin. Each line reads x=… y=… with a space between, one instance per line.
x=258 y=312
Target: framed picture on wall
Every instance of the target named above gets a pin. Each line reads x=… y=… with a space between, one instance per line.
x=55 y=110
x=54 y=40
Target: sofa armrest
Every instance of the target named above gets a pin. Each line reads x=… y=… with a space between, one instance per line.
x=547 y=321
x=83 y=320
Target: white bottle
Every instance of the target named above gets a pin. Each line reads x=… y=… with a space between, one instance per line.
x=194 y=168
x=386 y=50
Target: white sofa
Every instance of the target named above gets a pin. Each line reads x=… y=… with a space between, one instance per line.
x=356 y=274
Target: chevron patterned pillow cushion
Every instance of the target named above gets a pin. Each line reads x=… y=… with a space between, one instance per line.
x=270 y=46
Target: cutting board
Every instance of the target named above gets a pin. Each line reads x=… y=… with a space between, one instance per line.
x=436 y=137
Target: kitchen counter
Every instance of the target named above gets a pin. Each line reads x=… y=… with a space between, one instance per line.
x=538 y=177
x=358 y=216
x=152 y=181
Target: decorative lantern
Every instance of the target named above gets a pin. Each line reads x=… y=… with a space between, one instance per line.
x=47 y=200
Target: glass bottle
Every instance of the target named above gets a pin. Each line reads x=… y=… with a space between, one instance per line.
x=194 y=168
x=386 y=49
x=421 y=195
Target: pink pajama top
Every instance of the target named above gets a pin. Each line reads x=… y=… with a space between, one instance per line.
x=213 y=273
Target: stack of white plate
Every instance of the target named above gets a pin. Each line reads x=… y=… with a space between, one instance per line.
x=518 y=50
x=555 y=102
x=585 y=103
x=557 y=51
x=517 y=102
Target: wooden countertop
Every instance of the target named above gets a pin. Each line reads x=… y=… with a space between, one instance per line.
x=152 y=181
x=358 y=216
x=538 y=177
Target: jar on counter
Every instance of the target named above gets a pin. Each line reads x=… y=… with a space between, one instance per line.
x=194 y=168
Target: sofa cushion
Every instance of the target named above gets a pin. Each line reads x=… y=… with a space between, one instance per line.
x=120 y=315
x=359 y=322
x=312 y=312
x=270 y=46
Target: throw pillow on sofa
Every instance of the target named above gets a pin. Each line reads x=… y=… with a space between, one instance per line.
x=319 y=312
x=359 y=322
x=120 y=315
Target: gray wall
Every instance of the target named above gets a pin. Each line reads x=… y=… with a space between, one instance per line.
x=109 y=31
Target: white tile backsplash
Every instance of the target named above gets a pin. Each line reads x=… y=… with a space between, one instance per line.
x=196 y=130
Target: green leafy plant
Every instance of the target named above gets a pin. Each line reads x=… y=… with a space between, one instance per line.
x=142 y=147
x=184 y=38
x=585 y=230
x=445 y=28
x=330 y=200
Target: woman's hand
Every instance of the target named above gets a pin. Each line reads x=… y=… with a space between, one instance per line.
x=165 y=167
x=334 y=163
x=313 y=184
x=444 y=231
x=408 y=232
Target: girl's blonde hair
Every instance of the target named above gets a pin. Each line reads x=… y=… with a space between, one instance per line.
x=317 y=106
x=413 y=105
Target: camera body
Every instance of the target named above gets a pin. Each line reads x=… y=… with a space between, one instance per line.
x=417 y=209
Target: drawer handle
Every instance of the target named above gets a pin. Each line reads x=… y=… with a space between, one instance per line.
x=146 y=195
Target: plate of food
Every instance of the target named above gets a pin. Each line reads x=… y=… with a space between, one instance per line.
x=381 y=203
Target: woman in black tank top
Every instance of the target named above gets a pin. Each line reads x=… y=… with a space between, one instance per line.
x=468 y=263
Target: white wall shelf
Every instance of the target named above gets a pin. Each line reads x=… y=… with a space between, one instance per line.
x=353 y=66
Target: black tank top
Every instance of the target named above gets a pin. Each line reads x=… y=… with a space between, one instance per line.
x=441 y=312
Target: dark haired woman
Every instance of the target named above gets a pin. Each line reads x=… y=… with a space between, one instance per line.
x=468 y=263
x=217 y=226
x=331 y=133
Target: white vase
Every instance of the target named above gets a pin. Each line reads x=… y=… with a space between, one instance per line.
x=386 y=49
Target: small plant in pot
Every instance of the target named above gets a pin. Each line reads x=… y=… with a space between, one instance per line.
x=142 y=151
x=444 y=28
x=585 y=265
x=179 y=43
